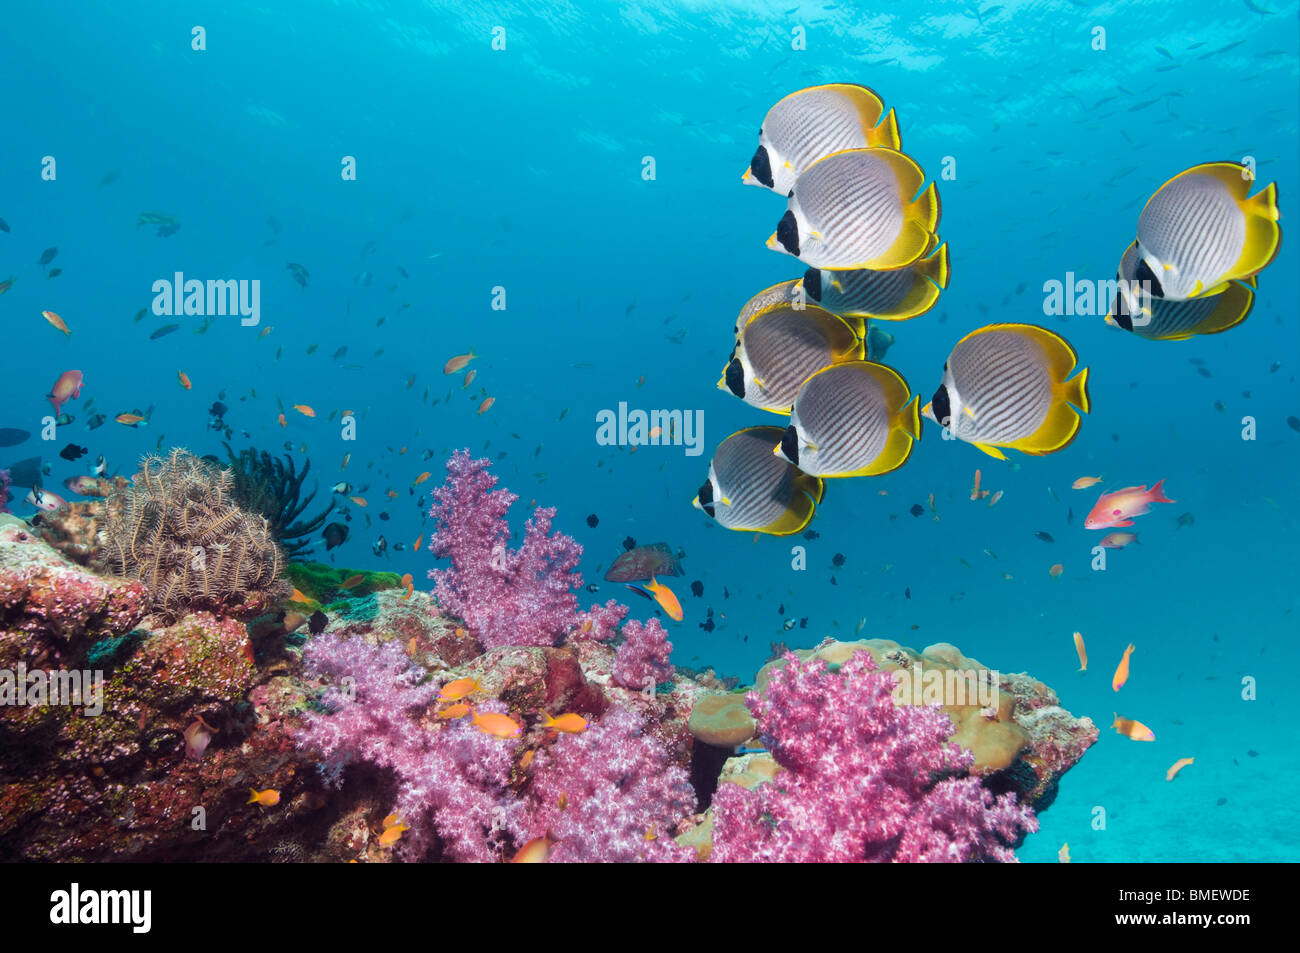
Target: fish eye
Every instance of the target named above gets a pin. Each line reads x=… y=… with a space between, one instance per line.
x=760 y=167
x=941 y=408
x=735 y=378
x=1144 y=273
x=812 y=283
x=790 y=445
x=706 y=497
x=787 y=233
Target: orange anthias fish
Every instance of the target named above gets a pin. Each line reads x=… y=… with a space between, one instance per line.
x=457 y=362
x=1116 y=510
x=975 y=490
x=484 y=407
x=298 y=596
x=536 y=851
x=130 y=420
x=416 y=547
x=1083 y=652
x=184 y=379
x=55 y=320
x=405 y=580
x=268 y=798
x=458 y=710
x=283 y=422
x=469 y=378
x=570 y=723
x=392 y=835
x=1121 y=672
x=304 y=410
x=661 y=594
x=67 y=387
x=1084 y=482
x=410 y=591
x=359 y=500
x=498 y=726
x=1056 y=570
x=352 y=581
x=1133 y=729
x=1176 y=767
x=460 y=688
x=421 y=478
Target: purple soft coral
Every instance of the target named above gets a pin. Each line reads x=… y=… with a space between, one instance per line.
x=642 y=660
x=451 y=777
x=609 y=795
x=859 y=780
x=506 y=597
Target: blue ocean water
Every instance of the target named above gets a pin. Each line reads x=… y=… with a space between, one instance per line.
x=519 y=175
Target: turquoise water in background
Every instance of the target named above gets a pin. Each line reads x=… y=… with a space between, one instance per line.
x=522 y=169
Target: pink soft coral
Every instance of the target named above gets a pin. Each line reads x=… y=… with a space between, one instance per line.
x=451 y=778
x=622 y=798
x=523 y=596
x=864 y=779
x=642 y=660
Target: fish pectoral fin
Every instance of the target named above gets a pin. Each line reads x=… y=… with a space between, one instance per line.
x=991 y=450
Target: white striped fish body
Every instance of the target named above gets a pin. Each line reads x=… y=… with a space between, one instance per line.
x=1005 y=385
x=813 y=123
x=854 y=419
x=855 y=209
x=787 y=292
x=750 y=489
x=1200 y=231
x=782 y=347
x=896 y=295
x=1159 y=319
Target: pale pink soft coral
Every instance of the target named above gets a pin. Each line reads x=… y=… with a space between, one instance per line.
x=523 y=596
x=864 y=779
x=642 y=660
x=599 y=623
x=622 y=796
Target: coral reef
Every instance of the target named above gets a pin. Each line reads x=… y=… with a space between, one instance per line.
x=863 y=779
x=4 y=491
x=523 y=596
x=347 y=724
x=181 y=533
x=272 y=487
x=77 y=530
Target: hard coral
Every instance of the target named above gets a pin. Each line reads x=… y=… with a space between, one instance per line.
x=523 y=596
x=863 y=780
x=181 y=533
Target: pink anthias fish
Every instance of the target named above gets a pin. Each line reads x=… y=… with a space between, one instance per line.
x=1118 y=509
x=65 y=389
